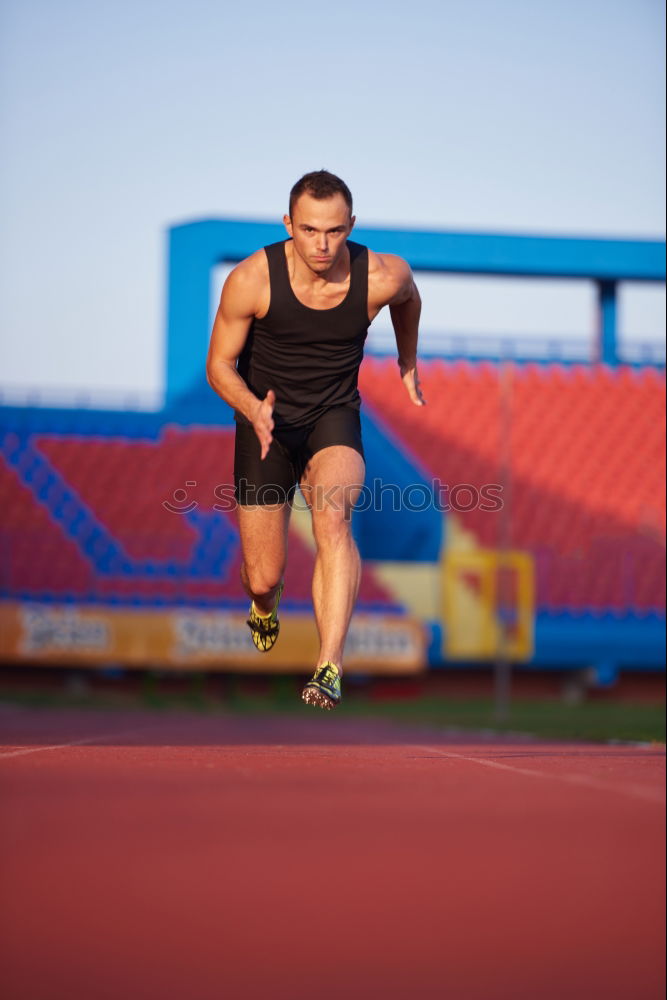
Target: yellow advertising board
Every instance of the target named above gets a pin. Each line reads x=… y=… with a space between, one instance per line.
x=184 y=639
x=483 y=617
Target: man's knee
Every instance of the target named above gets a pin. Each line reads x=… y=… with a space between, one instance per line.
x=261 y=580
x=331 y=526
x=334 y=501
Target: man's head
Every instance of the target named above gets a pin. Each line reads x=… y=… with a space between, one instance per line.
x=320 y=184
x=320 y=219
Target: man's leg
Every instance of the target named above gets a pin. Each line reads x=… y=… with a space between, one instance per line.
x=262 y=526
x=331 y=485
x=263 y=531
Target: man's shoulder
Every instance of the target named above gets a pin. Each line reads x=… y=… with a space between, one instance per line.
x=387 y=272
x=246 y=289
x=250 y=273
x=256 y=265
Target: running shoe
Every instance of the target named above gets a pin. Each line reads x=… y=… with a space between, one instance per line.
x=264 y=629
x=324 y=689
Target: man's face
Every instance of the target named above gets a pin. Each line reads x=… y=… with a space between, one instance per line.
x=319 y=228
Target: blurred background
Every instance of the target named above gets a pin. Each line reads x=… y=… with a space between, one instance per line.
x=514 y=153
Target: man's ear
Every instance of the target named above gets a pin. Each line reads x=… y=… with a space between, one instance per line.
x=287 y=222
x=353 y=219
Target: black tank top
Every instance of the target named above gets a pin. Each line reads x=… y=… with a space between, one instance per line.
x=309 y=357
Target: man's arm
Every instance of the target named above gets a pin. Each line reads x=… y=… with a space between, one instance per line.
x=401 y=295
x=238 y=305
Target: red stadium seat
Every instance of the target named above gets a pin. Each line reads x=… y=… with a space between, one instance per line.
x=110 y=494
x=587 y=462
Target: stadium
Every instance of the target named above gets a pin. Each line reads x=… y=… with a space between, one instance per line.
x=120 y=554
x=482 y=817
x=120 y=544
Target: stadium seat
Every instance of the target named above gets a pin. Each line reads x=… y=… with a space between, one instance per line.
x=88 y=521
x=585 y=447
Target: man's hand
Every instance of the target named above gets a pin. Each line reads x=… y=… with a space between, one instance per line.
x=263 y=421
x=411 y=383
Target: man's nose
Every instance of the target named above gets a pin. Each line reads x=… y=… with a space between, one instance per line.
x=322 y=242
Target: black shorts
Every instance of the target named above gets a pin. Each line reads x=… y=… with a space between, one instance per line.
x=274 y=480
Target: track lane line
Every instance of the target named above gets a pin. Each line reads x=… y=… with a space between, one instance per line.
x=583 y=781
x=77 y=743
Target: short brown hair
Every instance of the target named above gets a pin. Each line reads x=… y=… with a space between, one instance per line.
x=319 y=184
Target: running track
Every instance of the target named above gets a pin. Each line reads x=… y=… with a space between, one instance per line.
x=181 y=856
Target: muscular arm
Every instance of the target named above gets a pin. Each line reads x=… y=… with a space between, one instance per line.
x=405 y=309
x=239 y=303
x=397 y=289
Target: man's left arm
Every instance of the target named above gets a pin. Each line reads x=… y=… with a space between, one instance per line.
x=405 y=309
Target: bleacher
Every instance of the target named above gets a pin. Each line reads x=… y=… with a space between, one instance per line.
x=584 y=447
x=132 y=511
x=86 y=514
x=85 y=520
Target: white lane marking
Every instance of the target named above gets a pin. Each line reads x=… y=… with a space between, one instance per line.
x=583 y=780
x=102 y=738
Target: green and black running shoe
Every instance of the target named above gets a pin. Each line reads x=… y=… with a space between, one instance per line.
x=323 y=690
x=264 y=629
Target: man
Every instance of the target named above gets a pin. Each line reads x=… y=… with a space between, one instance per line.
x=285 y=352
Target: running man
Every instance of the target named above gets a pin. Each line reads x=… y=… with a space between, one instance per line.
x=285 y=351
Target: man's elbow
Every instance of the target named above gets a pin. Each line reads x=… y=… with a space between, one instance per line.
x=213 y=372
x=216 y=369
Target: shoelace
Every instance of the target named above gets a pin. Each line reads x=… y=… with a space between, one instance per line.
x=263 y=625
x=328 y=676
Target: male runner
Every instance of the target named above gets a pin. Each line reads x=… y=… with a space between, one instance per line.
x=285 y=351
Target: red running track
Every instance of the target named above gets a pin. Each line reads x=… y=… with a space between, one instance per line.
x=173 y=856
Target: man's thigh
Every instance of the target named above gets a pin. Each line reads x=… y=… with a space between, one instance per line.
x=332 y=481
x=263 y=530
x=264 y=491
x=258 y=481
x=335 y=468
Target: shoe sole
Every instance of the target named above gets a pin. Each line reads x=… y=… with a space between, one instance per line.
x=314 y=696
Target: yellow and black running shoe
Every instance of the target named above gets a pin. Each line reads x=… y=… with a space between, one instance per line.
x=323 y=690
x=264 y=629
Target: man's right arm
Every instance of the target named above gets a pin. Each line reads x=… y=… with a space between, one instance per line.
x=239 y=303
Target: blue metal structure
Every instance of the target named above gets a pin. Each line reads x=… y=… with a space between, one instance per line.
x=196 y=247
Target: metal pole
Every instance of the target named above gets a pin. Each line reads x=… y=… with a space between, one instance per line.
x=503 y=665
x=607 y=351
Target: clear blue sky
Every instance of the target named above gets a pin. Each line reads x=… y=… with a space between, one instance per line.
x=118 y=119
